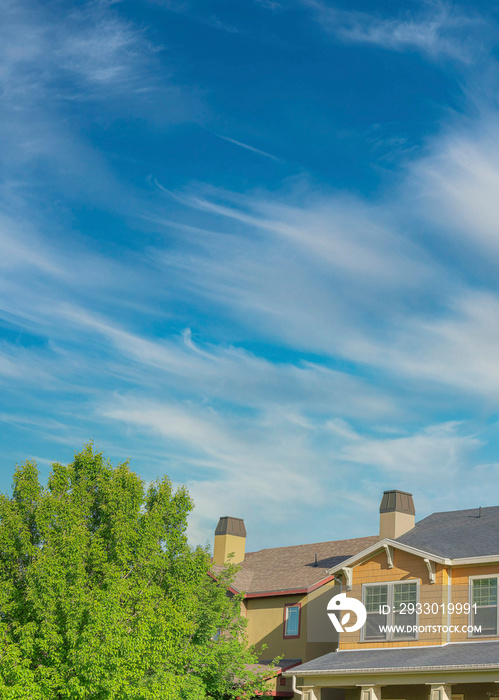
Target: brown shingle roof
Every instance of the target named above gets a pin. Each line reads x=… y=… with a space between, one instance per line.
x=284 y=569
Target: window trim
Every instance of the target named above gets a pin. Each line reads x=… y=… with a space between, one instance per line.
x=470 y=598
x=285 y=619
x=390 y=637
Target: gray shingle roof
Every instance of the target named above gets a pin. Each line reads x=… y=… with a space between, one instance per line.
x=464 y=655
x=459 y=533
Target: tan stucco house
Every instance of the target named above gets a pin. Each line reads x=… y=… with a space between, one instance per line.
x=284 y=588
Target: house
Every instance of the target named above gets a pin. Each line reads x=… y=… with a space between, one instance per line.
x=430 y=596
x=286 y=590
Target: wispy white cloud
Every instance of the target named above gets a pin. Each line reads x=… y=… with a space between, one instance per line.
x=39 y=50
x=381 y=295
x=279 y=342
x=337 y=256
x=217 y=23
x=432 y=463
x=252 y=470
x=438 y=449
x=438 y=29
x=458 y=182
x=458 y=348
x=372 y=319
x=60 y=75
x=254 y=465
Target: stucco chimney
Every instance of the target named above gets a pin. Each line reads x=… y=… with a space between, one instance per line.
x=230 y=537
x=396 y=514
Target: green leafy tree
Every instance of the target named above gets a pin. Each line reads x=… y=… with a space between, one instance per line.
x=102 y=598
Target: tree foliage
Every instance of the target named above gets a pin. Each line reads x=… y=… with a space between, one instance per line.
x=102 y=598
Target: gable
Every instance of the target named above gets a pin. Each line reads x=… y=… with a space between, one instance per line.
x=404 y=566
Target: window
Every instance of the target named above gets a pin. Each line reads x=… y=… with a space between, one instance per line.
x=389 y=604
x=292 y=620
x=484 y=605
x=374 y=599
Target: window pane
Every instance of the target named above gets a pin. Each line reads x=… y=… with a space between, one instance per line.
x=374 y=623
x=374 y=597
x=485 y=591
x=409 y=623
x=404 y=593
x=484 y=597
x=486 y=617
x=292 y=620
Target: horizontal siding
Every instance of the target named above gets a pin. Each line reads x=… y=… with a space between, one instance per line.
x=411 y=567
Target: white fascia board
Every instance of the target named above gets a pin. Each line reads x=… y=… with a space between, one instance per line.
x=391 y=670
x=489 y=559
x=366 y=553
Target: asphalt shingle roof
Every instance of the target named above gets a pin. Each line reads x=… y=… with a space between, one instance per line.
x=458 y=533
x=293 y=568
x=455 y=534
x=462 y=655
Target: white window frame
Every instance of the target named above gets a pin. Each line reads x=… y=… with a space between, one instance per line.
x=390 y=637
x=470 y=616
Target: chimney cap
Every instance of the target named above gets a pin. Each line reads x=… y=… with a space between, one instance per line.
x=228 y=525
x=397 y=501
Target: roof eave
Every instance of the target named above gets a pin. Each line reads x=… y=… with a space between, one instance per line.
x=488 y=559
x=406 y=669
x=289 y=591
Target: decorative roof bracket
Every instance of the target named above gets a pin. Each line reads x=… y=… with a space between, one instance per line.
x=389 y=555
x=347 y=571
x=431 y=570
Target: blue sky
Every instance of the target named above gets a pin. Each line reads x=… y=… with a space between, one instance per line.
x=254 y=245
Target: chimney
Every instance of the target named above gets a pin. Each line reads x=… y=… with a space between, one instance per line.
x=230 y=537
x=396 y=514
